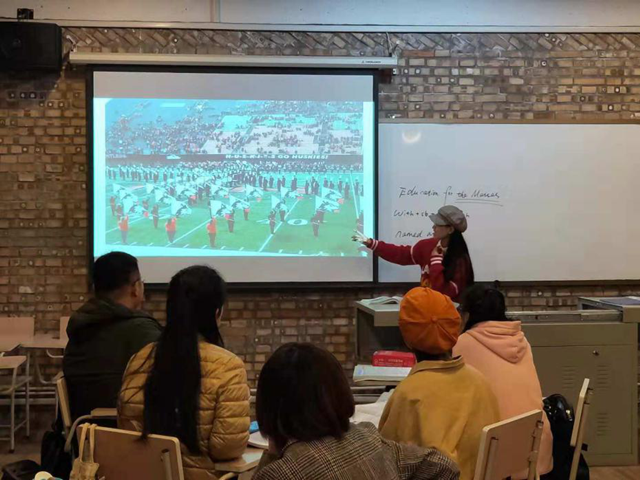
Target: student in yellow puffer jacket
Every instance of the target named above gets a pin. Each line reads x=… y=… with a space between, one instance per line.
x=187 y=385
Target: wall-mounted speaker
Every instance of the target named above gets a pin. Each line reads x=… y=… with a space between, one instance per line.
x=30 y=46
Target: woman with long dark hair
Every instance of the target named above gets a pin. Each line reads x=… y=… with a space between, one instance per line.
x=444 y=259
x=187 y=385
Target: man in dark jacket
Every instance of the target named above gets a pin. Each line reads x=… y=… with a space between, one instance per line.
x=105 y=332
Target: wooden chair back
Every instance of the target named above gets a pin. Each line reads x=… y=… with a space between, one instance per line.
x=64 y=321
x=509 y=447
x=122 y=455
x=63 y=400
x=580 y=426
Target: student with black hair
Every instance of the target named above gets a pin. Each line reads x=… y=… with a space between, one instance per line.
x=497 y=347
x=444 y=259
x=105 y=332
x=187 y=385
x=304 y=405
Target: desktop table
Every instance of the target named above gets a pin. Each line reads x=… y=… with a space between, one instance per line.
x=243 y=465
x=9 y=343
x=43 y=341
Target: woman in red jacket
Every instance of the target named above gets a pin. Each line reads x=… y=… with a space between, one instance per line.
x=444 y=259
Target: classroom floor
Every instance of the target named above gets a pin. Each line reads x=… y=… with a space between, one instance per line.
x=30 y=449
x=615 y=473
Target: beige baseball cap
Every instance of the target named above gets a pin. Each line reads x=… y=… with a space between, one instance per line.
x=451 y=216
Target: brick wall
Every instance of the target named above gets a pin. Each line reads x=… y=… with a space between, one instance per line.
x=443 y=77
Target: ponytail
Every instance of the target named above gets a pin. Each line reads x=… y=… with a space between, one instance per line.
x=457 y=256
x=196 y=295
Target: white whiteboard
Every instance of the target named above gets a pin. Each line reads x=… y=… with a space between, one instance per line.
x=544 y=202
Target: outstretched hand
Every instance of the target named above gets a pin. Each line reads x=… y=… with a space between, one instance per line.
x=359 y=237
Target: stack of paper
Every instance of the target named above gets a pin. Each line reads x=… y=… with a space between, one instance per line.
x=371 y=412
x=365 y=373
x=257 y=440
x=383 y=300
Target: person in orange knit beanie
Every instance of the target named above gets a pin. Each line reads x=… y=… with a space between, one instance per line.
x=443 y=403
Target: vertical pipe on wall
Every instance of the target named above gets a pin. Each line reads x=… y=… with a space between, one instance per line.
x=215 y=11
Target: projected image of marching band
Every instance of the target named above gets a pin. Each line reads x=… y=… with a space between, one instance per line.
x=222 y=176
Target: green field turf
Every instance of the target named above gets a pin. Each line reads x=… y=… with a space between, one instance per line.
x=293 y=237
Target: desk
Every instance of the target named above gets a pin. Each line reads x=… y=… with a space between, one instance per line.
x=9 y=343
x=105 y=413
x=18 y=384
x=42 y=341
x=15 y=330
x=377 y=384
x=243 y=465
x=12 y=363
x=376 y=329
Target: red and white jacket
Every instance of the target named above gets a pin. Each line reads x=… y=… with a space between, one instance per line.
x=431 y=265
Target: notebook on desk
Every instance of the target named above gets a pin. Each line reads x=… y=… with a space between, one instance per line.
x=371 y=412
x=367 y=373
x=383 y=300
x=257 y=440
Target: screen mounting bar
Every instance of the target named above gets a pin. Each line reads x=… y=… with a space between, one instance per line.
x=90 y=58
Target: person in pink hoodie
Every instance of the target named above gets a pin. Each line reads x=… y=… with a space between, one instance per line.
x=497 y=347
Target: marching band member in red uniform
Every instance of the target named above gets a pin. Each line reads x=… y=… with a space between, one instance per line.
x=123 y=225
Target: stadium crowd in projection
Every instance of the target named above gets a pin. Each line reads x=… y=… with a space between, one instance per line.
x=235 y=177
